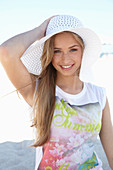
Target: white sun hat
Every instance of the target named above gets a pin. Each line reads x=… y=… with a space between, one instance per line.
x=60 y=23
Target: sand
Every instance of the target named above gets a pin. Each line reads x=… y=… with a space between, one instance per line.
x=19 y=156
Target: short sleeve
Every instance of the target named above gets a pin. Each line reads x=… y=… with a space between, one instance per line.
x=101 y=95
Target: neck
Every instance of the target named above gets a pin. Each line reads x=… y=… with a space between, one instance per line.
x=72 y=85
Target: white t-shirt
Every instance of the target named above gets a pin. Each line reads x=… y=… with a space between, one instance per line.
x=75 y=126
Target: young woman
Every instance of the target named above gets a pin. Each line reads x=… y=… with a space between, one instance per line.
x=51 y=67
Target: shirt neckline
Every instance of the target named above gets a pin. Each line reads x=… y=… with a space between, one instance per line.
x=59 y=90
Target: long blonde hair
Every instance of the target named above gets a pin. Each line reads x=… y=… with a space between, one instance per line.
x=44 y=104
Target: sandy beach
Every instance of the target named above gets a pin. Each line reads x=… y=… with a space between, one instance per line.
x=15 y=132
x=19 y=156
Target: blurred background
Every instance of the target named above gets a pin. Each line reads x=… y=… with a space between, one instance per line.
x=20 y=16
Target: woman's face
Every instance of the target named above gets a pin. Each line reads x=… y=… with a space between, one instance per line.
x=67 y=54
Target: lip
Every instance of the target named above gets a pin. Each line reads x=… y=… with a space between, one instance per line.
x=66 y=67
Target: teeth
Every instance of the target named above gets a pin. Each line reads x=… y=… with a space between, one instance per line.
x=67 y=66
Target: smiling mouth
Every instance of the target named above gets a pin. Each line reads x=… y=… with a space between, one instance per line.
x=66 y=67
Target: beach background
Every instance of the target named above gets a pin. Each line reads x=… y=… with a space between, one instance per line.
x=19 y=16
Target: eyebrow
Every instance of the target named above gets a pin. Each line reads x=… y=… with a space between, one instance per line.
x=69 y=47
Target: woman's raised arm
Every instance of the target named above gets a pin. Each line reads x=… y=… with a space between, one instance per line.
x=10 y=53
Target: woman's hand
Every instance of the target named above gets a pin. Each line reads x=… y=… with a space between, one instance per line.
x=43 y=27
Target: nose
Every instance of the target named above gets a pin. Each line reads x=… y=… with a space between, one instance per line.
x=65 y=55
x=65 y=58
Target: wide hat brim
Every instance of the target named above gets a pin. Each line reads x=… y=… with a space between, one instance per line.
x=92 y=51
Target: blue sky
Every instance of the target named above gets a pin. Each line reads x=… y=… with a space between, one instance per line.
x=22 y=15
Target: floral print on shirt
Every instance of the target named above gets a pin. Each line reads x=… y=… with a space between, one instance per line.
x=74 y=130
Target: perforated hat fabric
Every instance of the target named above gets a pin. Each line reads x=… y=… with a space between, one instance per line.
x=60 y=23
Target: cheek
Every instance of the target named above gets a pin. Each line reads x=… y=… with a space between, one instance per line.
x=80 y=60
x=80 y=57
x=77 y=57
x=54 y=61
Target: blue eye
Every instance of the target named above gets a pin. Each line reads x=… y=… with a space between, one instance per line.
x=73 y=50
x=57 y=51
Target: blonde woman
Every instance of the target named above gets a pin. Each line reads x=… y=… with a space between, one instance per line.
x=51 y=67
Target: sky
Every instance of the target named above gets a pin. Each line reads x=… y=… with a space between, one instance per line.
x=19 y=16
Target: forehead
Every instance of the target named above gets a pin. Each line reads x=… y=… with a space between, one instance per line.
x=65 y=38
